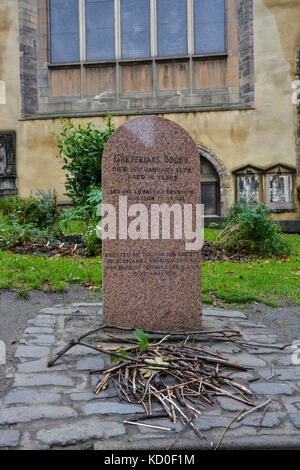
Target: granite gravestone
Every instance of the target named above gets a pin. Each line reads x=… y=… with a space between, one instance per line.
x=151 y=280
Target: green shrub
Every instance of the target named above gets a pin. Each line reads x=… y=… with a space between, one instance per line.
x=251 y=229
x=9 y=237
x=86 y=217
x=41 y=211
x=81 y=150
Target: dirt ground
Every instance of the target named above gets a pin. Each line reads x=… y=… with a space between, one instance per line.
x=15 y=312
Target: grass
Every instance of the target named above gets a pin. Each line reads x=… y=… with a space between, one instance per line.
x=50 y=274
x=270 y=281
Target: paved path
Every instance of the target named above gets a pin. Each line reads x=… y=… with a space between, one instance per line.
x=55 y=408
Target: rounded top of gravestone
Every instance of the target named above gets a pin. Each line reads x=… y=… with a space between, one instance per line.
x=152 y=151
x=151 y=131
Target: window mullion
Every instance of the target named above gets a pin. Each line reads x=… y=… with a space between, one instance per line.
x=82 y=43
x=153 y=28
x=190 y=26
x=118 y=49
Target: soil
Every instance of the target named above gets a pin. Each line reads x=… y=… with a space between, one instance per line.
x=68 y=245
x=73 y=245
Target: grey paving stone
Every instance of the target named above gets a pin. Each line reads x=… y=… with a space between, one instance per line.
x=270 y=420
x=228 y=404
x=263 y=339
x=94 y=379
x=247 y=360
x=39 y=366
x=9 y=437
x=80 y=431
x=244 y=376
x=32 y=351
x=37 y=339
x=284 y=361
x=42 y=321
x=106 y=407
x=158 y=422
x=205 y=423
x=248 y=324
x=214 y=312
x=26 y=414
x=78 y=350
x=295 y=419
x=82 y=396
x=288 y=373
x=271 y=388
x=32 y=330
x=90 y=364
x=36 y=380
x=297 y=405
x=30 y=397
x=64 y=311
x=264 y=351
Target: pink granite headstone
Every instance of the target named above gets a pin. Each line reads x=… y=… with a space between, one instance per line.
x=150 y=283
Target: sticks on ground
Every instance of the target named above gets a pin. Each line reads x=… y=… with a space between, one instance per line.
x=182 y=377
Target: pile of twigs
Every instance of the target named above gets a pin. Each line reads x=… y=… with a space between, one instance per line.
x=183 y=378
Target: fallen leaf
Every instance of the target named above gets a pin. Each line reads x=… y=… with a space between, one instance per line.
x=148 y=371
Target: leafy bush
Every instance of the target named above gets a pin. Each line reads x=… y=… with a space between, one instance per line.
x=86 y=216
x=81 y=150
x=41 y=211
x=252 y=230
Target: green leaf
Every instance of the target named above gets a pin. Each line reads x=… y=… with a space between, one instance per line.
x=142 y=338
x=113 y=358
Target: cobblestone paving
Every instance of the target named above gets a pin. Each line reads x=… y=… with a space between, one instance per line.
x=56 y=407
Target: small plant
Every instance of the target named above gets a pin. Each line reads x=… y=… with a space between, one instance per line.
x=252 y=230
x=23 y=294
x=143 y=340
x=81 y=150
x=91 y=239
x=213 y=225
x=143 y=346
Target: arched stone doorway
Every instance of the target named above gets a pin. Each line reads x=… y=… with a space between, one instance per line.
x=215 y=181
x=210 y=188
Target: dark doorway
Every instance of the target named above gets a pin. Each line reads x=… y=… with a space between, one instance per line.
x=210 y=188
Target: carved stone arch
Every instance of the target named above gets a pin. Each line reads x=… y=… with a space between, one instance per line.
x=224 y=177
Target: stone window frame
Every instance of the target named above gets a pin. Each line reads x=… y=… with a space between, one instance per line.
x=36 y=72
x=264 y=189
